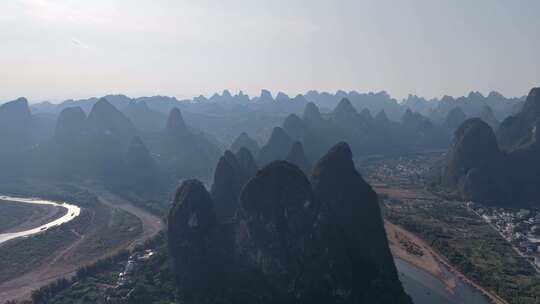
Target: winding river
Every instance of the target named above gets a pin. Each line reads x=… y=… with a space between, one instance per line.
x=72 y=212
x=420 y=285
x=424 y=288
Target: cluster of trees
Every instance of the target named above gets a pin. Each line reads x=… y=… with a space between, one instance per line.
x=46 y=293
x=483 y=256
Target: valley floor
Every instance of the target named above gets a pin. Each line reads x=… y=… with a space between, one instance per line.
x=413 y=250
x=448 y=231
x=111 y=226
x=15 y=217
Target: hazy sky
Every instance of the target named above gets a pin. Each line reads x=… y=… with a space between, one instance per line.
x=59 y=49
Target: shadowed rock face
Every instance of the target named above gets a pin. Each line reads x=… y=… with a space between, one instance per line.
x=312 y=115
x=365 y=135
x=355 y=221
x=16 y=111
x=105 y=120
x=294 y=126
x=93 y=146
x=382 y=119
x=71 y=140
x=141 y=172
x=277 y=147
x=516 y=131
x=475 y=167
x=137 y=153
x=288 y=243
x=230 y=175
x=298 y=157
x=487 y=115
x=175 y=123
x=474 y=146
x=478 y=170
x=366 y=120
x=454 y=119
x=266 y=96
x=109 y=133
x=231 y=158
x=345 y=113
x=415 y=121
x=143 y=117
x=244 y=141
x=15 y=125
x=226 y=186
x=276 y=219
x=191 y=223
x=246 y=162
x=18 y=107
x=183 y=151
x=531 y=108
x=71 y=124
x=513 y=133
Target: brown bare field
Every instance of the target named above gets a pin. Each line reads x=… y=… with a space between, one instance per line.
x=397 y=193
x=34 y=216
x=398 y=237
x=100 y=240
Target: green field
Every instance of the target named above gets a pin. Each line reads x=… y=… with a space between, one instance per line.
x=467 y=242
x=471 y=245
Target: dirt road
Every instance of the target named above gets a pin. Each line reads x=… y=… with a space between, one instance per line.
x=151 y=224
x=22 y=286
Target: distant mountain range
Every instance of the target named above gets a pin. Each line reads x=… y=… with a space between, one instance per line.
x=232 y=113
x=315 y=133
x=103 y=144
x=104 y=137
x=224 y=103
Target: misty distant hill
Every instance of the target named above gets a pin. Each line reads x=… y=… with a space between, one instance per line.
x=226 y=115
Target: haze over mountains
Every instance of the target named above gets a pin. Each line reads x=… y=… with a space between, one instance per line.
x=102 y=145
x=97 y=137
x=232 y=114
x=270 y=206
x=269 y=152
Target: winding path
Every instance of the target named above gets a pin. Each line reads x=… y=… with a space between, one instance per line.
x=22 y=286
x=151 y=224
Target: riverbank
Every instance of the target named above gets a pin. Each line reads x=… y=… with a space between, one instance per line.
x=413 y=250
x=40 y=216
x=16 y=216
x=68 y=213
x=106 y=227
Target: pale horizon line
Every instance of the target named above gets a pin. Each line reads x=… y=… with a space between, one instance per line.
x=184 y=97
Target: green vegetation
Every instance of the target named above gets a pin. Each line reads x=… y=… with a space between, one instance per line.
x=77 y=290
x=469 y=244
x=157 y=204
x=149 y=282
